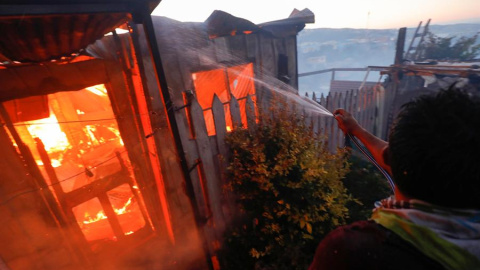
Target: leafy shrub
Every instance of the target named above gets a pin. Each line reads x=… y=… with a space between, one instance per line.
x=289 y=189
x=366 y=185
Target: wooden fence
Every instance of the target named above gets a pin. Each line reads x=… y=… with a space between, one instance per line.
x=367 y=105
x=207 y=156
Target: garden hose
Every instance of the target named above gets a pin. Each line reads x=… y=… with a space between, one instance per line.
x=372 y=160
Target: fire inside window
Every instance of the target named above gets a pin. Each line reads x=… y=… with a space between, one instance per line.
x=93 y=176
x=237 y=81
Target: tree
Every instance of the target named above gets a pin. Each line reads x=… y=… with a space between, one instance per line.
x=289 y=189
x=444 y=48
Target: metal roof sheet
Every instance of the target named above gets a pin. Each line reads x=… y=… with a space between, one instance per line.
x=42 y=30
x=41 y=38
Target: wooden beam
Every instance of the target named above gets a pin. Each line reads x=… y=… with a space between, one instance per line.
x=31 y=80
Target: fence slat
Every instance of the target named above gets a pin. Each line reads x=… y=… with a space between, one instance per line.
x=322 y=119
x=250 y=112
x=329 y=129
x=218 y=112
x=341 y=104
x=361 y=105
x=210 y=172
x=315 y=124
x=370 y=110
x=220 y=130
x=235 y=113
x=380 y=100
x=189 y=148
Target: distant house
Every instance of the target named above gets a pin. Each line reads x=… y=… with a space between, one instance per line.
x=341 y=86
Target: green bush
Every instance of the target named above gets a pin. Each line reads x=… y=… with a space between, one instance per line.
x=289 y=189
x=366 y=185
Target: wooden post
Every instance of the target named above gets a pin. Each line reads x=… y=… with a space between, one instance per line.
x=402 y=32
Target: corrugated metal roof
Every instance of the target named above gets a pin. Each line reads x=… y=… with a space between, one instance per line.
x=42 y=38
x=12 y=7
x=42 y=30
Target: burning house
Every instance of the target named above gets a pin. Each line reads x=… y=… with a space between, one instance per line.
x=88 y=181
x=112 y=153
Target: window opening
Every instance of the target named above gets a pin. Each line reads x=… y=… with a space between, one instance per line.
x=81 y=136
x=237 y=81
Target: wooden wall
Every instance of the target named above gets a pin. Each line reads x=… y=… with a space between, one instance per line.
x=186 y=48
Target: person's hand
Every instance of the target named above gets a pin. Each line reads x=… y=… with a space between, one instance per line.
x=346 y=121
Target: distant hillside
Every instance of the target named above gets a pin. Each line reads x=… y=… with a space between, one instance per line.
x=325 y=48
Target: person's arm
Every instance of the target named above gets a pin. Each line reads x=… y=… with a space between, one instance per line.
x=375 y=145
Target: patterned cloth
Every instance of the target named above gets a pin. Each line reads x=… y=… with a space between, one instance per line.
x=449 y=236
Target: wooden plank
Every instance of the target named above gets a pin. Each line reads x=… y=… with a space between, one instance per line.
x=361 y=106
x=335 y=133
x=251 y=115
x=291 y=51
x=354 y=103
x=235 y=113
x=150 y=164
x=371 y=109
x=340 y=137
x=48 y=78
x=190 y=149
x=307 y=118
x=218 y=112
x=111 y=216
x=380 y=112
x=374 y=110
x=238 y=47
x=328 y=122
x=347 y=100
x=163 y=150
x=316 y=124
x=336 y=103
x=95 y=188
x=221 y=49
x=323 y=120
x=268 y=56
x=365 y=109
x=213 y=183
x=252 y=46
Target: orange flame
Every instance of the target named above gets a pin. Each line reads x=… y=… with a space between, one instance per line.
x=101 y=215
x=48 y=130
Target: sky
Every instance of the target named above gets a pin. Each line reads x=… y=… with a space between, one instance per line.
x=371 y=14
